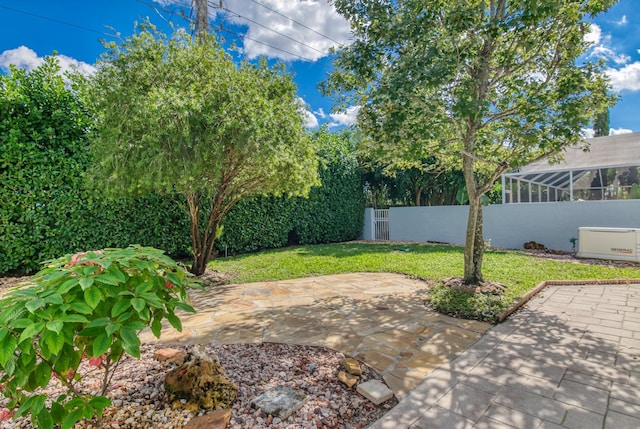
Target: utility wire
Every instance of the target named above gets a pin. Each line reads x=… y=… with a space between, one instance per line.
x=265 y=44
x=158 y=8
x=294 y=21
x=268 y=28
x=58 y=21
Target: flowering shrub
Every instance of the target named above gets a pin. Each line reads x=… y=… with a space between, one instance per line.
x=84 y=307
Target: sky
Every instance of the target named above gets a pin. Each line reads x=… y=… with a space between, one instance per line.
x=299 y=33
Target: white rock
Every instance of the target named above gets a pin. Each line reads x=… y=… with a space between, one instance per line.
x=375 y=391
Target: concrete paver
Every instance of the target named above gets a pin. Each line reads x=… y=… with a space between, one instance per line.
x=559 y=362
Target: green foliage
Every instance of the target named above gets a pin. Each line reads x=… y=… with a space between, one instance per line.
x=601 y=124
x=180 y=117
x=458 y=303
x=43 y=151
x=84 y=307
x=332 y=212
x=484 y=86
x=634 y=192
x=46 y=210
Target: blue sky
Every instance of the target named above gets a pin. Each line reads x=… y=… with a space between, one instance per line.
x=298 y=32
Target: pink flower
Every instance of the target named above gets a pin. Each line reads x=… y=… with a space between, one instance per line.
x=77 y=258
x=169 y=285
x=5 y=414
x=95 y=361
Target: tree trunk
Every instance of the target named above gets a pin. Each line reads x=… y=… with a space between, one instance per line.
x=418 y=196
x=202 y=236
x=478 y=248
x=473 y=249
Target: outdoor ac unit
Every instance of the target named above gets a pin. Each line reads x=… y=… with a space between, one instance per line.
x=609 y=243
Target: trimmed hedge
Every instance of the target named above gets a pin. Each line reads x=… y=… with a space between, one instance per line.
x=332 y=213
x=46 y=211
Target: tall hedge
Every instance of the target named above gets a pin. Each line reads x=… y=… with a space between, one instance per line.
x=46 y=211
x=333 y=212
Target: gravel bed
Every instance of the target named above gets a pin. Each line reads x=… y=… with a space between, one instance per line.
x=139 y=399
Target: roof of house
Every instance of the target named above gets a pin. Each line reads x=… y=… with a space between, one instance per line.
x=621 y=150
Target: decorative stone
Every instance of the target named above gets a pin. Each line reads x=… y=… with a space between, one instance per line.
x=348 y=379
x=218 y=419
x=200 y=383
x=375 y=391
x=352 y=366
x=281 y=401
x=170 y=356
x=532 y=245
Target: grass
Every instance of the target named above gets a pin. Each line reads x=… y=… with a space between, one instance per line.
x=518 y=271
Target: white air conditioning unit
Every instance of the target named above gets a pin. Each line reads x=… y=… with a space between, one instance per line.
x=621 y=244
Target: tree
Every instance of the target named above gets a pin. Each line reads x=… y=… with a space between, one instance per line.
x=181 y=118
x=601 y=124
x=488 y=85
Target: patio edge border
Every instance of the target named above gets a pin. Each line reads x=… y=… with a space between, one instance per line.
x=506 y=313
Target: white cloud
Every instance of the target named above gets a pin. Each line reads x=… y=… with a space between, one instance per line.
x=594 y=35
x=601 y=51
x=600 y=47
x=324 y=25
x=26 y=58
x=310 y=120
x=623 y=21
x=618 y=131
x=346 y=118
x=588 y=133
x=21 y=57
x=626 y=78
x=320 y=112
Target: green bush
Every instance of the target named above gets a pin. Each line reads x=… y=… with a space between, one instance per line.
x=84 y=307
x=333 y=212
x=46 y=210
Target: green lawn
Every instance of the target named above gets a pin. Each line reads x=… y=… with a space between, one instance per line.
x=518 y=271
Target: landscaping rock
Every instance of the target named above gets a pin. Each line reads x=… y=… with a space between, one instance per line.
x=170 y=356
x=348 y=379
x=532 y=245
x=200 y=383
x=218 y=419
x=375 y=391
x=281 y=402
x=352 y=366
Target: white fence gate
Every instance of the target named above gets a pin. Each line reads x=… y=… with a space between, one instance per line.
x=381 y=224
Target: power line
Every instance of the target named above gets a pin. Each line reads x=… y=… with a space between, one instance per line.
x=58 y=21
x=269 y=29
x=265 y=44
x=158 y=8
x=296 y=22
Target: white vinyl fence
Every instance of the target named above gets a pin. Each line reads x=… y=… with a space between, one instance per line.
x=506 y=225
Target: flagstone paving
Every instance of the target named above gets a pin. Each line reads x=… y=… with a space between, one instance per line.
x=378 y=318
x=569 y=359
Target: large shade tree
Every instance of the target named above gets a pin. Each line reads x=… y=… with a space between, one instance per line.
x=180 y=117
x=488 y=84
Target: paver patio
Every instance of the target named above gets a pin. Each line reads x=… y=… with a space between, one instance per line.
x=377 y=318
x=569 y=359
